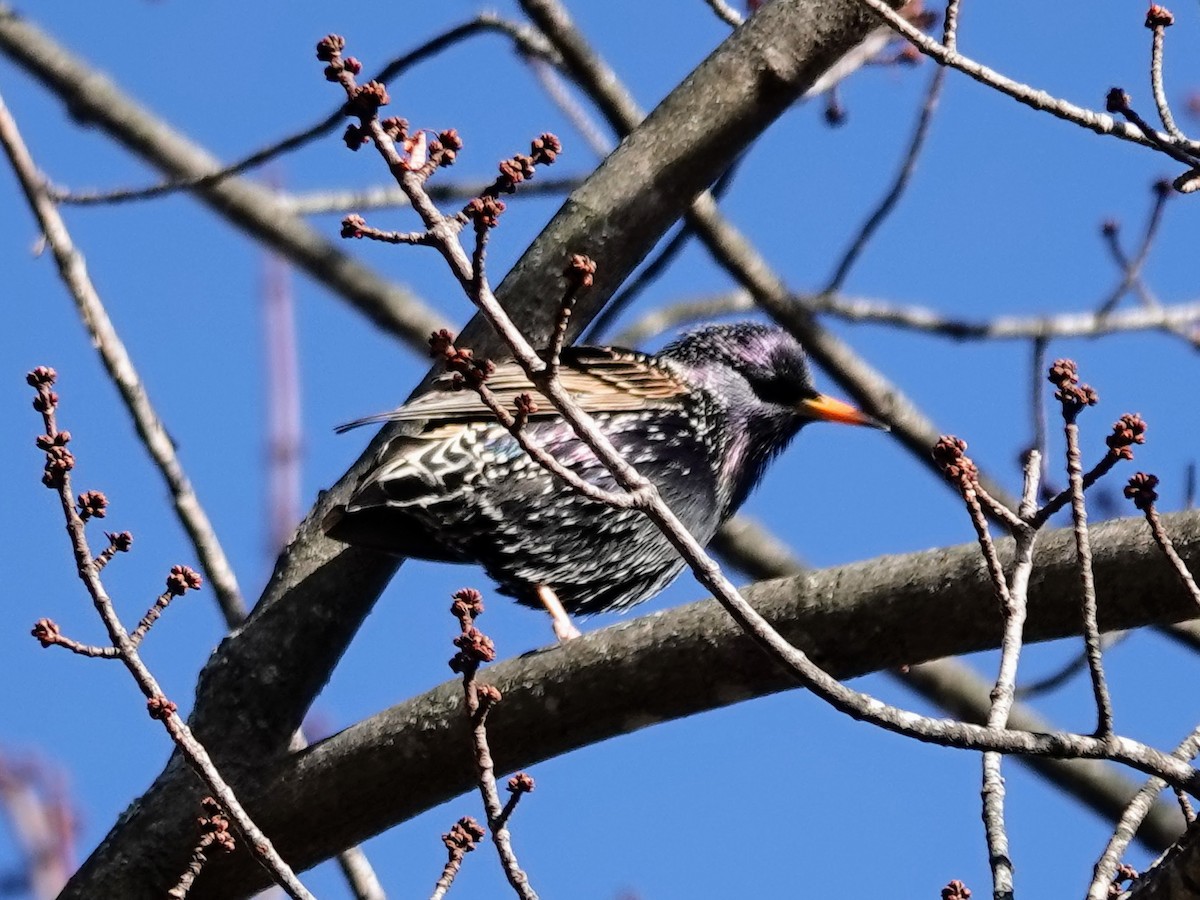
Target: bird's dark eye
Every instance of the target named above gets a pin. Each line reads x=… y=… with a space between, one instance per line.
x=781 y=391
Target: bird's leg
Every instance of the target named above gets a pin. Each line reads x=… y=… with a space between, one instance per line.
x=564 y=628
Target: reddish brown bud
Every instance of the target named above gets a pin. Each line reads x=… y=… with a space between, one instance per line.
x=121 y=541
x=580 y=270
x=160 y=707
x=352 y=65
x=42 y=375
x=1140 y=490
x=1128 y=430
x=545 y=149
x=367 y=98
x=1159 y=17
x=521 y=783
x=1116 y=101
x=489 y=695
x=59 y=461
x=471 y=600
x=1110 y=227
x=463 y=836
x=948 y=453
x=956 y=890
x=484 y=211
x=330 y=46
x=395 y=127
x=46 y=631
x=353 y=226
x=475 y=645
x=440 y=342
x=450 y=139
x=182 y=579
x=45 y=400
x=525 y=404
x=92 y=503
x=354 y=136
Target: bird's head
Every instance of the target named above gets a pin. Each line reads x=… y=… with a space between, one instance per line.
x=758 y=375
x=761 y=368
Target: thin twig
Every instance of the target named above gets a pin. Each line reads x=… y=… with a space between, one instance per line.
x=1140 y=489
x=560 y=95
x=526 y=40
x=658 y=264
x=892 y=197
x=950 y=25
x=1065 y=673
x=1087 y=584
x=922 y=319
x=1013 y=597
x=1131 y=268
x=158 y=705
x=1037 y=407
x=1156 y=84
x=725 y=12
x=1131 y=819
x=391 y=197
x=121 y=371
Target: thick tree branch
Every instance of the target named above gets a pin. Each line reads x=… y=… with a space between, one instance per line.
x=930 y=605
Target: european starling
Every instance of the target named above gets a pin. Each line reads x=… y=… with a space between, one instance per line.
x=701 y=419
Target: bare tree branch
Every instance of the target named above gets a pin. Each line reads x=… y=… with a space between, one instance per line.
x=249 y=206
x=930 y=605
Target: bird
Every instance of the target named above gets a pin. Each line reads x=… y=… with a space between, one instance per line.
x=701 y=419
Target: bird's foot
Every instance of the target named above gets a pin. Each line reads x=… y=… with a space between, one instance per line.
x=564 y=628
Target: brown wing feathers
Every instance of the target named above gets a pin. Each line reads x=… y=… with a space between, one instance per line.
x=601 y=380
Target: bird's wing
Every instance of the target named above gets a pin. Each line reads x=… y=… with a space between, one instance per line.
x=601 y=379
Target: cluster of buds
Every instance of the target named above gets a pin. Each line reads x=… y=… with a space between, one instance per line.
x=46 y=632
x=329 y=50
x=484 y=211
x=1073 y=395
x=463 y=836
x=59 y=460
x=521 y=783
x=214 y=826
x=580 y=271
x=543 y=151
x=1128 y=430
x=950 y=456
x=474 y=647
x=160 y=707
x=118 y=542
x=1159 y=17
x=467 y=605
x=182 y=579
x=525 y=406
x=956 y=890
x=468 y=371
x=353 y=226
x=444 y=148
x=1140 y=490
x=92 y=504
x=1116 y=101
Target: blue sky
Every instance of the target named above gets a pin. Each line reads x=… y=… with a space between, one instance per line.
x=1003 y=217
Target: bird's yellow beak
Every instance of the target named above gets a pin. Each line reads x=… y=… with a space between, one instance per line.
x=827 y=409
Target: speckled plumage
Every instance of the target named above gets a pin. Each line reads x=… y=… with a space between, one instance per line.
x=701 y=419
